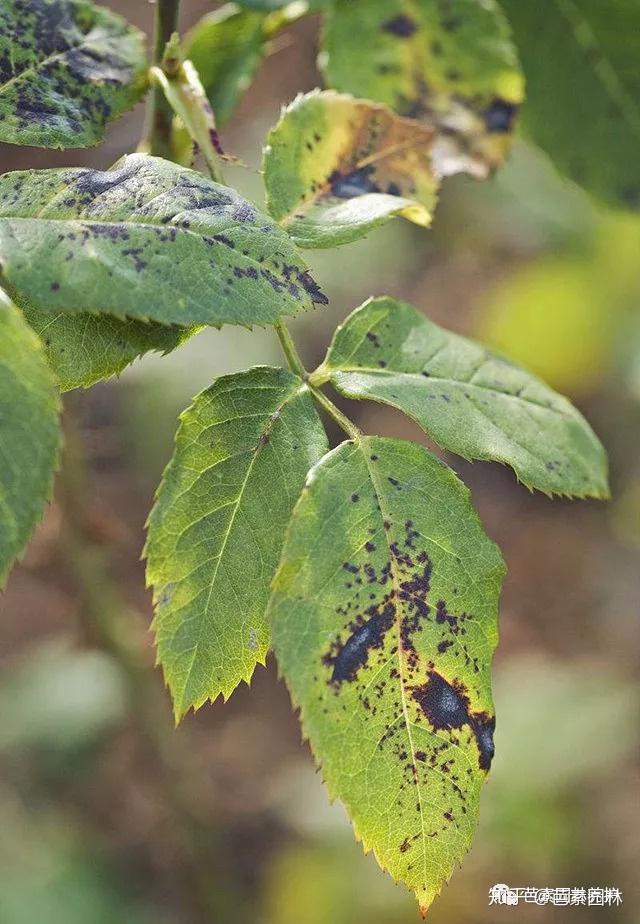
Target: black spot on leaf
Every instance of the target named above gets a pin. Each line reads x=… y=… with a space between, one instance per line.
x=402 y=26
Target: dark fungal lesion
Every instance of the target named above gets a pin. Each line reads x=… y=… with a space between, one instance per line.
x=401 y=26
x=396 y=595
x=446 y=707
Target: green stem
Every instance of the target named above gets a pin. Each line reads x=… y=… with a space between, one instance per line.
x=289 y=350
x=336 y=414
x=157 y=135
x=296 y=365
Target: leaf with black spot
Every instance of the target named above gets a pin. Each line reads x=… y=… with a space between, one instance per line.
x=384 y=622
x=243 y=451
x=336 y=167
x=583 y=90
x=451 y=65
x=148 y=240
x=67 y=68
x=29 y=435
x=470 y=400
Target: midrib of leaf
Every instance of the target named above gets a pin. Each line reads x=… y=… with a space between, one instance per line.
x=458 y=383
x=275 y=415
x=603 y=69
x=386 y=516
x=308 y=204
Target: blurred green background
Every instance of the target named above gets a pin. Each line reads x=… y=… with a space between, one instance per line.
x=108 y=814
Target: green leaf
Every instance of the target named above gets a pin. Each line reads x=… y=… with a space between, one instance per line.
x=384 y=621
x=29 y=433
x=583 y=90
x=336 y=167
x=469 y=400
x=147 y=240
x=84 y=349
x=226 y=48
x=242 y=454
x=66 y=69
x=451 y=65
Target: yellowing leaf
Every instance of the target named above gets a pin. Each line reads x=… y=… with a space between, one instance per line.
x=450 y=65
x=384 y=621
x=337 y=167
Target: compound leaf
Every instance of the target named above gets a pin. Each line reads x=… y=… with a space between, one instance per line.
x=336 y=167
x=226 y=48
x=67 y=67
x=243 y=451
x=583 y=78
x=384 y=621
x=29 y=433
x=451 y=65
x=83 y=349
x=149 y=240
x=469 y=400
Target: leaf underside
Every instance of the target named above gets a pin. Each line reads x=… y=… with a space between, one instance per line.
x=243 y=451
x=148 y=240
x=384 y=621
x=469 y=400
x=67 y=68
x=83 y=349
x=336 y=167
x=583 y=98
x=29 y=434
x=451 y=65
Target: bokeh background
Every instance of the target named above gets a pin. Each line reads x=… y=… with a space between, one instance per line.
x=109 y=814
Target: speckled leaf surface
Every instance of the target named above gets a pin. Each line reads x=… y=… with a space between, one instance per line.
x=468 y=399
x=243 y=451
x=84 y=349
x=336 y=167
x=147 y=240
x=583 y=90
x=450 y=64
x=67 y=68
x=29 y=433
x=226 y=48
x=384 y=621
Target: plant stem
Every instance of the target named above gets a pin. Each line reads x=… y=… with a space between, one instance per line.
x=157 y=135
x=336 y=414
x=289 y=350
x=296 y=365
